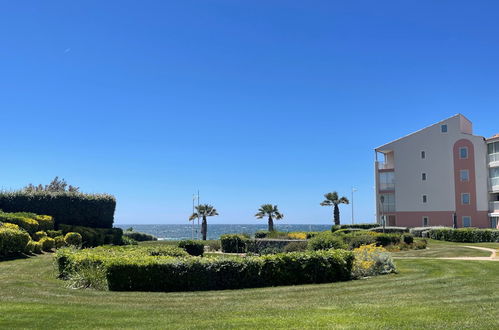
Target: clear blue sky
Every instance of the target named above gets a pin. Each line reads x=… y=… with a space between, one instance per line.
x=249 y=101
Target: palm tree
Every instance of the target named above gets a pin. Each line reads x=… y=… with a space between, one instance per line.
x=272 y=212
x=332 y=199
x=204 y=211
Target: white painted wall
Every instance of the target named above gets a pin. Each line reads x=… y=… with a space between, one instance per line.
x=438 y=166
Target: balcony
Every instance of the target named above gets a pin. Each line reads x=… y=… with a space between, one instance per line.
x=494 y=184
x=493 y=159
x=494 y=207
x=385 y=166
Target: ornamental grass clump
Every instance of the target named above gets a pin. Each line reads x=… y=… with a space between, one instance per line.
x=372 y=260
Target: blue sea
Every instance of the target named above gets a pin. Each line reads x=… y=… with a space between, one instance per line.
x=176 y=232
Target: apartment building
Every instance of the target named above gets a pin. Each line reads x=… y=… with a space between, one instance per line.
x=441 y=175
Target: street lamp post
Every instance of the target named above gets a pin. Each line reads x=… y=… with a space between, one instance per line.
x=353 y=190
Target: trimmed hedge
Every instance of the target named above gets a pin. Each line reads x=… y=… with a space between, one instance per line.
x=233 y=243
x=325 y=241
x=95 y=236
x=139 y=237
x=28 y=224
x=12 y=241
x=47 y=244
x=45 y=222
x=465 y=235
x=192 y=247
x=72 y=208
x=357 y=226
x=145 y=273
x=73 y=239
x=391 y=230
x=268 y=246
x=388 y=239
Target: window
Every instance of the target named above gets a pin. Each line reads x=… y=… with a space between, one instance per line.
x=425 y=198
x=423 y=176
x=386 y=181
x=387 y=202
x=443 y=128
x=464 y=175
x=423 y=154
x=426 y=222
x=463 y=152
x=466 y=221
x=493 y=148
x=465 y=198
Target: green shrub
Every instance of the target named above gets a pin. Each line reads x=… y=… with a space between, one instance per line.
x=12 y=241
x=326 y=241
x=45 y=222
x=134 y=271
x=355 y=240
x=96 y=236
x=73 y=208
x=73 y=239
x=387 y=239
x=372 y=260
x=129 y=241
x=420 y=244
x=214 y=245
x=358 y=226
x=192 y=247
x=59 y=242
x=39 y=235
x=30 y=225
x=390 y=230
x=233 y=243
x=299 y=246
x=47 y=244
x=266 y=246
x=262 y=234
x=139 y=237
x=465 y=235
x=407 y=238
x=420 y=231
x=36 y=247
x=54 y=233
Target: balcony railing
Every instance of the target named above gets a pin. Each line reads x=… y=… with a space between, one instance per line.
x=494 y=184
x=387 y=186
x=494 y=158
x=494 y=206
x=385 y=166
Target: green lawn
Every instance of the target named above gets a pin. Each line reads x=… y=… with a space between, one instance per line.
x=424 y=294
x=439 y=249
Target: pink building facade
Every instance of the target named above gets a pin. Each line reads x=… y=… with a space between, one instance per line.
x=441 y=175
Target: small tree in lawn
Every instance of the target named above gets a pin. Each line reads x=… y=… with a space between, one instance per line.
x=270 y=211
x=332 y=199
x=204 y=211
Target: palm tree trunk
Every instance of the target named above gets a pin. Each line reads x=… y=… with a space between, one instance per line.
x=204 y=228
x=336 y=215
x=271 y=223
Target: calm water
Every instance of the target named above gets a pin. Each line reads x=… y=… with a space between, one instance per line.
x=175 y=232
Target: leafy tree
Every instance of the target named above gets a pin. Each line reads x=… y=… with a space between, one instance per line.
x=55 y=185
x=332 y=199
x=204 y=211
x=270 y=211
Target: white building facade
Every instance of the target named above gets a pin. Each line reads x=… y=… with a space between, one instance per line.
x=442 y=175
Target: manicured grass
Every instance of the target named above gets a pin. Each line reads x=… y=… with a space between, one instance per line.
x=425 y=294
x=442 y=251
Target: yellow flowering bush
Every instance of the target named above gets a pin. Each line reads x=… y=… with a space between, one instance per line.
x=297 y=235
x=372 y=260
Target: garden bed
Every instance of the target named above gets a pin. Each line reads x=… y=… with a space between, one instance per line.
x=150 y=269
